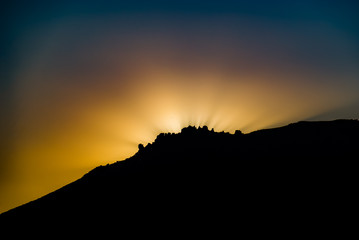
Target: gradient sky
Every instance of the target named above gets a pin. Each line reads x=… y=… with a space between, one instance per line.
x=84 y=82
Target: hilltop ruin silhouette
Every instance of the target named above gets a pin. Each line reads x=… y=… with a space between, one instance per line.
x=203 y=175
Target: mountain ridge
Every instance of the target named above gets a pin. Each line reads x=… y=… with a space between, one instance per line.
x=181 y=174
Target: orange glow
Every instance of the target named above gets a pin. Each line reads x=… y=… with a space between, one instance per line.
x=60 y=142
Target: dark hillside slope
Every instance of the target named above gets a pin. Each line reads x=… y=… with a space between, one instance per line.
x=306 y=168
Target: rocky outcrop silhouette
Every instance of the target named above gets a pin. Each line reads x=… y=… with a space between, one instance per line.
x=207 y=177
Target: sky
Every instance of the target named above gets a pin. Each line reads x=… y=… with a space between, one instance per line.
x=84 y=82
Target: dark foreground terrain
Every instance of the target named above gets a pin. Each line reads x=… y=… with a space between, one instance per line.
x=299 y=176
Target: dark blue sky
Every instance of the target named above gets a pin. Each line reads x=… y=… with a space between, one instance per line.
x=20 y=18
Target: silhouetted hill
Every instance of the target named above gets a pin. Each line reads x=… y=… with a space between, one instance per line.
x=300 y=172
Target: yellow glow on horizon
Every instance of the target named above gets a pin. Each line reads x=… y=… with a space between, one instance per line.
x=60 y=142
